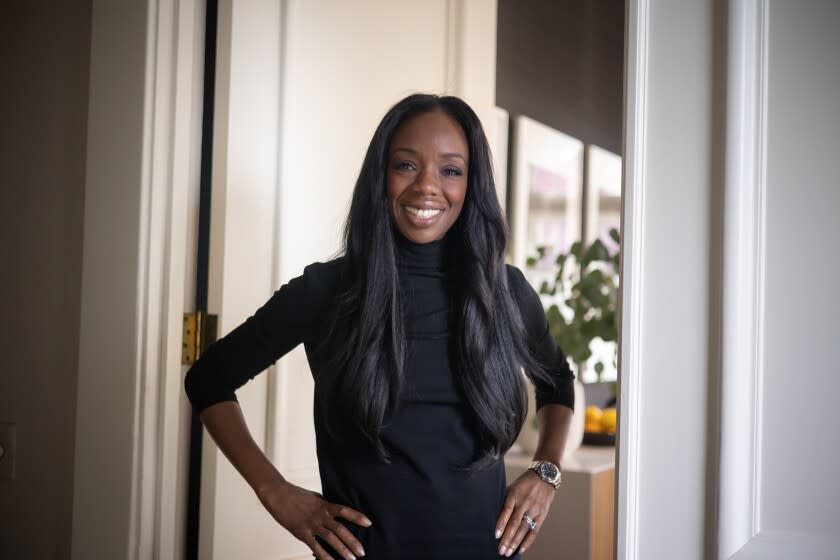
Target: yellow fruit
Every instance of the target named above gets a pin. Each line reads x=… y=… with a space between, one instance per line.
x=592 y=427
x=593 y=414
x=609 y=420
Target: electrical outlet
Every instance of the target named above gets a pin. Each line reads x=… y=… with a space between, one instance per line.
x=7 y=451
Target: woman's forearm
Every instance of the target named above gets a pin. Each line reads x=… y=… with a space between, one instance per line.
x=554 y=421
x=225 y=423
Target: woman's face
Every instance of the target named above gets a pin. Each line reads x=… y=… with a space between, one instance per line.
x=427 y=175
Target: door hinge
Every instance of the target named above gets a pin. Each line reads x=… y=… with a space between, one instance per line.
x=199 y=333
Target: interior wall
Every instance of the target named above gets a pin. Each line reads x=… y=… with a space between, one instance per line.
x=561 y=62
x=44 y=69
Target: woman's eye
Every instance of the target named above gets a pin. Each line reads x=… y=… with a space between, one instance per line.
x=452 y=171
x=404 y=165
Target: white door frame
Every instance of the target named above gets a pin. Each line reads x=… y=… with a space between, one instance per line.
x=632 y=248
x=647 y=438
x=143 y=146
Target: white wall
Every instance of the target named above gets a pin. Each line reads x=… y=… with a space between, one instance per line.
x=44 y=63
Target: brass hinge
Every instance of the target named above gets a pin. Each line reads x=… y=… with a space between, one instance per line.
x=199 y=333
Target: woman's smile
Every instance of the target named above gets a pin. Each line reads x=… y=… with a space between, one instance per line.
x=422 y=217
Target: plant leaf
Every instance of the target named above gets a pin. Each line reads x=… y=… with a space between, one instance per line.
x=575 y=250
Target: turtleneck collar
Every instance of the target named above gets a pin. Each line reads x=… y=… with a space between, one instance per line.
x=420 y=255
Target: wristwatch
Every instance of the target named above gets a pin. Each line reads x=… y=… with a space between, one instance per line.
x=547 y=471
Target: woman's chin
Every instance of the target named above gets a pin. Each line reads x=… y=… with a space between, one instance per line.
x=424 y=233
x=421 y=236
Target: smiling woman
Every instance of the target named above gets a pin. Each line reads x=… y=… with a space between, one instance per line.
x=427 y=176
x=417 y=337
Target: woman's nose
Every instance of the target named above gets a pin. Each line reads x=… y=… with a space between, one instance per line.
x=427 y=179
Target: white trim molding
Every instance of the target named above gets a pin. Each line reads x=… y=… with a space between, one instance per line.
x=454 y=54
x=628 y=438
x=743 y=280
x=142 y=162
x=783 y=545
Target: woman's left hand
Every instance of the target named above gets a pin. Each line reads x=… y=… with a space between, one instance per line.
x=527 y=495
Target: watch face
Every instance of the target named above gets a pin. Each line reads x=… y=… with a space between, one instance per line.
x=548 y=470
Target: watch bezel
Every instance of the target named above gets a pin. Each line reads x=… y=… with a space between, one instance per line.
x=539 y=466
x=549 y=470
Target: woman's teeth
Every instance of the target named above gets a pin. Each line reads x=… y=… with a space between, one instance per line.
x=423 y=213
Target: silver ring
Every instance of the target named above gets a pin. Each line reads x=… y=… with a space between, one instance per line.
x=531 y=523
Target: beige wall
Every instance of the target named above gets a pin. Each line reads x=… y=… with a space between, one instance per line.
x=43 y=110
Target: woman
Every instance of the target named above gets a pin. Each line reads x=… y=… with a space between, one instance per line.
x=417 y=336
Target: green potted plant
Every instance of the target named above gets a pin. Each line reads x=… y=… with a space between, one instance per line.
x=585 y=286
x=582 y=291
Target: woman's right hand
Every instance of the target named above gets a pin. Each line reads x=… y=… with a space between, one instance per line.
x=306 y=514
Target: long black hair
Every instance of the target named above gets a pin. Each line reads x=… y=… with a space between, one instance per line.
x=367 y=342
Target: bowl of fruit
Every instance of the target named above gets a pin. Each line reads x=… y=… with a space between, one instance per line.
x=599 y=425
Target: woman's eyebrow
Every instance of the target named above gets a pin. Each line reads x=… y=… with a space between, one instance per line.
x=445 y=154
x=454 y=155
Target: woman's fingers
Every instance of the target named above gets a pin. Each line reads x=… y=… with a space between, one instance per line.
x=307 y=515
x=517 y=533
x=528 y=495
x=505 y=514
x=351 y=514
x=330 y=534
x=506 y=544
x=348 y=543
x=530 y=536
x=521 y=532
x=319 y=551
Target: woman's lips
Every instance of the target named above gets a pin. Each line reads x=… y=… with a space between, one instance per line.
x=422 y=217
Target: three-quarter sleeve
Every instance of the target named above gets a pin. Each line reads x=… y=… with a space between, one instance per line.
x=280 y=324
x=542 y=344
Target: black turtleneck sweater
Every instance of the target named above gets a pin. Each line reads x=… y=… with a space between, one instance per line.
x=419 y=505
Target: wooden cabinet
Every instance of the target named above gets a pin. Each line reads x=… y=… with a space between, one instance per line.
x=580 y=524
